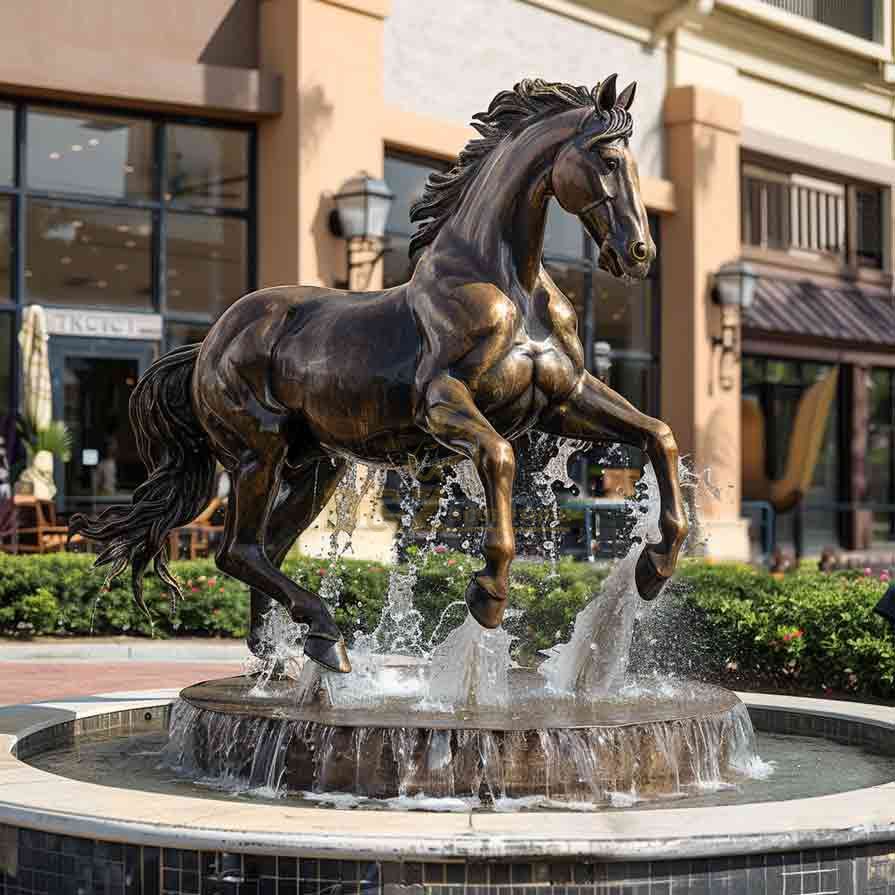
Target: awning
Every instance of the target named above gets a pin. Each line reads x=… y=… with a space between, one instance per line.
x=840 y=312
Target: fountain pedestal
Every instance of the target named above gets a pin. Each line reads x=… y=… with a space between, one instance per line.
x=543 y=746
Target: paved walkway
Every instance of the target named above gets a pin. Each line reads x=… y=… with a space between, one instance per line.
x=62 y=669
x=33 y=681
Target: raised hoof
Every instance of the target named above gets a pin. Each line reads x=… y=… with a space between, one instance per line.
x=484 y=607
x=648 y=579
x=331 y=654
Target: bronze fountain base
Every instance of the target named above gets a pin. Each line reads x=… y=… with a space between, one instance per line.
x=541 y=746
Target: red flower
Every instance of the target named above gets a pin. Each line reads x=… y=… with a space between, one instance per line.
x=215 y=611
x=452 y=562
x=321 y=572
x=212 y=582
x=440 y=548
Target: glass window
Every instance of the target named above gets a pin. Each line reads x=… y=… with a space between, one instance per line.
x=406 y=177
x=5 y=249
x=207 y=167
x=91 y=256
x=206 y=258
x=624 y=314
x=7 y=328
x=563 y=234
x=179 y=334
x=101 y=155
x=7 y=145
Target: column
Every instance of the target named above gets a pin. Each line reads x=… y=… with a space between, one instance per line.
x=703 y=145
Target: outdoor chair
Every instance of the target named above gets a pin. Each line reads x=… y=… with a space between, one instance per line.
x=194 y=539
x=806 y=439
x=38 y=531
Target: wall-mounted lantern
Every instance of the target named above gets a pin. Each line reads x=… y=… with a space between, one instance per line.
x=733 y=290
x=360 y=216
x=602 y=360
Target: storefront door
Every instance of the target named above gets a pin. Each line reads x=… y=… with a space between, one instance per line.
x=92 y=384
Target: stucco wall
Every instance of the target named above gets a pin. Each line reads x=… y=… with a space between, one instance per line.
x=213 y=32
x=447 y=60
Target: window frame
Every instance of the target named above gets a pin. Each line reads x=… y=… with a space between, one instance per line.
x=794 y=175
x=19 y=193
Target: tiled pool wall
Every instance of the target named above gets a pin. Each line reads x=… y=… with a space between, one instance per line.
x=38 y=862
x=34 y=861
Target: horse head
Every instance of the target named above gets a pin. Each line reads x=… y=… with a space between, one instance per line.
x=594 y=176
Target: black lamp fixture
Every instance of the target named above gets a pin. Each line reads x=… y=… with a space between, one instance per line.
x=733 y=290
x=360 y=216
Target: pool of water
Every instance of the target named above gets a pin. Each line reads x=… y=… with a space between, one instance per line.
x=794 y=767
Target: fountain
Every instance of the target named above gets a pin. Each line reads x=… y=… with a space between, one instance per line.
x=460 y=767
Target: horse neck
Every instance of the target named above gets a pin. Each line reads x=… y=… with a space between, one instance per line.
x=504 y=211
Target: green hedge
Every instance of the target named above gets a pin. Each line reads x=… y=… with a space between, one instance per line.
x=63 y=594
x=809 y=631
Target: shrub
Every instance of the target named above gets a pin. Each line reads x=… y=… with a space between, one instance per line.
x=809 y=630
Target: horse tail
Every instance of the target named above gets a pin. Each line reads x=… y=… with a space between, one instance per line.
x=181 y=469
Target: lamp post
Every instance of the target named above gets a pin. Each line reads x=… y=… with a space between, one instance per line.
x=733 y=290
x=360 y=216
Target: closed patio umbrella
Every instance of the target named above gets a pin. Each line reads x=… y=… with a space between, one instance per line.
x=33 y=338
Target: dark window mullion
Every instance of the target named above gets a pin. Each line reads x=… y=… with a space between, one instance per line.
x=20 y=211
x=160 y=222
x=252 y=228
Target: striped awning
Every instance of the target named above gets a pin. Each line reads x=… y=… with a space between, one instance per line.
x=842 y=312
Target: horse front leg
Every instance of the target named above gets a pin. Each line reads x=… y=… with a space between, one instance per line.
x=449 y=414
x=594 y=412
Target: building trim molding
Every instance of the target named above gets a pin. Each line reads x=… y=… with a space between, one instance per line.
x=766 y=143
x=589 y=16
x=113 y=78
x=815 y=31
x=814 y=350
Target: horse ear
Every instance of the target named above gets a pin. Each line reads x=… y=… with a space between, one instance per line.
x=605 y=98
x=626 y=97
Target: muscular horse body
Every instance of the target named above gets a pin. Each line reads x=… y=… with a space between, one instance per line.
x=477 y=348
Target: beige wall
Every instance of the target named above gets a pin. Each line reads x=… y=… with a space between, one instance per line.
x=702 y=134
x=166 y=53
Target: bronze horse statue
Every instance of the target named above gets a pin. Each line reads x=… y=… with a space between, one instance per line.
x=477 y=348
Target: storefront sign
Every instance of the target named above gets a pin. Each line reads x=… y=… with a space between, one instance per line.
x=103 y=324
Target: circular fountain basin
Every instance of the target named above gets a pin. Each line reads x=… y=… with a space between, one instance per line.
x=538 y=745
x=53 y=828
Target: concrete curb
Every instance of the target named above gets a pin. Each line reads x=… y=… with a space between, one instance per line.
x=125 y=650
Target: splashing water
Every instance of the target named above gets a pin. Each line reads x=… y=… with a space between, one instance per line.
x=280 y=640
x=594 y=661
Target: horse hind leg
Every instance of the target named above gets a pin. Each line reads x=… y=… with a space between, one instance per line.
x=303 y=494
x=255 y=485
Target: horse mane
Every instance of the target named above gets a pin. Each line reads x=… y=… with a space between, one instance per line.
x=509 y=113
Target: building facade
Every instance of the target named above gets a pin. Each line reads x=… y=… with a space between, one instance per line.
x=158 y=160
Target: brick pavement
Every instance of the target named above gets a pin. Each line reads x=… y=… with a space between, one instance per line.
x=32 y=681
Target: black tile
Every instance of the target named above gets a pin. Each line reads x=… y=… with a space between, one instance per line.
x=189 y=882
x=521 y=874
x=151 y=870
x=287 y=887
x=329 y=870
x=309 y=869
x=476 y=874
x=267 y=886
x=433 y=873
x=454 y=873
x=171 y=880
x=189 y=860
x=412 y=873
x=287 y=868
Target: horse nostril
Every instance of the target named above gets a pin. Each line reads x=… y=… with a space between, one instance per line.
x=639 y=251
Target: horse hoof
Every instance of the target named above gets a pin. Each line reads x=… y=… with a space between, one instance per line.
x=484 y=607
x=331 y=654
x=648 y=579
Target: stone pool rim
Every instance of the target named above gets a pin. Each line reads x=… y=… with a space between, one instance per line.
x=35 y=799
